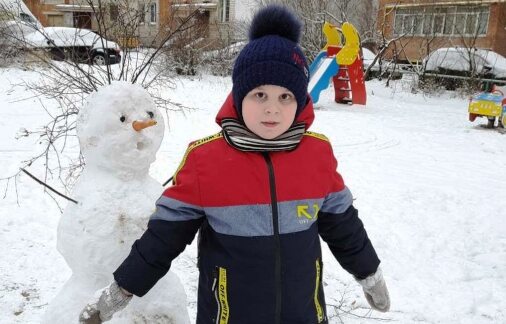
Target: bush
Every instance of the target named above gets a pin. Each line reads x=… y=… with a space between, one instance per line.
x=220 y=62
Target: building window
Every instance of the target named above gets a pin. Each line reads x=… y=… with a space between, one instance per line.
x=442 y=21
x=55 y=20
x=224 y=10
x=142 y=13
x=113 y=12
x=152 y=13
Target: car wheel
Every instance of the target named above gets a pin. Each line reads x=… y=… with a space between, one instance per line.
x=99 y=59
x=491 y=122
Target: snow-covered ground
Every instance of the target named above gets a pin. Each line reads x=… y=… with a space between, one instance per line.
x=430 y=187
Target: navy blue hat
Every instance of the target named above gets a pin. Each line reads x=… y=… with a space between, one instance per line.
x=272 y=56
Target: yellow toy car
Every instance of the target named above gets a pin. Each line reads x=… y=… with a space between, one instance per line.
x=491 y=105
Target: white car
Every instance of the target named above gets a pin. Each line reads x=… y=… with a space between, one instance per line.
x=464 y=61
x=79 y=45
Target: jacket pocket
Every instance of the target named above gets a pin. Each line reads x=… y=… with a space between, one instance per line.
x=220 y=294
x=320 y=311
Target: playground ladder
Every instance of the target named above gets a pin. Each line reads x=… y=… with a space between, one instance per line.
x=349 y=83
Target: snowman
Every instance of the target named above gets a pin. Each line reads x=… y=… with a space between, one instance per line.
x=119 y=130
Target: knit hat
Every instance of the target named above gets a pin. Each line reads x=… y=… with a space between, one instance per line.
x=272 y=56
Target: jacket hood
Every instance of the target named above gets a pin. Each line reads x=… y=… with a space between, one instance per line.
x=228 y=111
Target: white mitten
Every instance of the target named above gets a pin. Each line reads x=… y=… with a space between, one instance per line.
x=376 y=292
x=112 y=299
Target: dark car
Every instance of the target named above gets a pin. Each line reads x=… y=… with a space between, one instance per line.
x=78 y=45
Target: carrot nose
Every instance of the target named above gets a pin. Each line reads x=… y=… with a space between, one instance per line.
x=139 y=125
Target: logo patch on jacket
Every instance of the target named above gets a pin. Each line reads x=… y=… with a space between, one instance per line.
x=307 y=213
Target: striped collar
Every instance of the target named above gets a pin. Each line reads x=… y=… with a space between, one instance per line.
x=240 y=137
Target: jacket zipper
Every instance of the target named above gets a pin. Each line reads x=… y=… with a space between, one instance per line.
x=320 y=315
x=277 y=241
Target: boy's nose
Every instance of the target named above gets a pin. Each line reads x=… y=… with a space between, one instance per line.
x=271 y=108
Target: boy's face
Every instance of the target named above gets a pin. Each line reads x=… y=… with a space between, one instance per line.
x=269 y=110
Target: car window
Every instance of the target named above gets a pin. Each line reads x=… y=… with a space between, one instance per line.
x=26 y=18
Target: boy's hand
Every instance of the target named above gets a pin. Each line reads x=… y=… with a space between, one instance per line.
x=376 y=292
x=112 y=299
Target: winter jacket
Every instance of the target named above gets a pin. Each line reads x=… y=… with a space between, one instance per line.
x=260 y=216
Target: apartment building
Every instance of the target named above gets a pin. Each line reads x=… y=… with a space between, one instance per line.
x=424 y=25
x=156 y=16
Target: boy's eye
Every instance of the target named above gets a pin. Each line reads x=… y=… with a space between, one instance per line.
x=260 y=95
x=151 y=114
x=286 y=96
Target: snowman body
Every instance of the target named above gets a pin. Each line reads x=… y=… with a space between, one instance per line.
x=116 y=195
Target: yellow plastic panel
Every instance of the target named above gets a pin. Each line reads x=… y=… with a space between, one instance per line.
x=485 y=108
x=332 y=35
x=349 y=53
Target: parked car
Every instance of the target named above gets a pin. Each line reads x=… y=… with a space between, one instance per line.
x=461 y=61
x=78 y=45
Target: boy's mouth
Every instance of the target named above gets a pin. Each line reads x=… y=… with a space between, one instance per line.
x=270 y=124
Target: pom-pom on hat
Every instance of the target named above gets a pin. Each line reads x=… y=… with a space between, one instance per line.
x=272 y=56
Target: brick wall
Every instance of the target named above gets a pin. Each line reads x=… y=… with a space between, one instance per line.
x=40 y=10
x=498 y=30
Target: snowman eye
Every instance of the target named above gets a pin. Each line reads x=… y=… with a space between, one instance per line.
x=122 y=119
x=150 y=114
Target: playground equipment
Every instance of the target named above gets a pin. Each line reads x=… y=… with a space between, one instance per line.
x=342 y=62
x=491 y=105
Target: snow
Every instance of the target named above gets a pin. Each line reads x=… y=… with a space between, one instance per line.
x=115 y=197
x=430 y=187
x=106 y=134
x=368 y=54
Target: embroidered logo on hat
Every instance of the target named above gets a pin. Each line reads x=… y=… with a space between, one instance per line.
x=300 y=62
x=297 y=59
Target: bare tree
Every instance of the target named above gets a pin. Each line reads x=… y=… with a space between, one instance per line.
x=69 y=82
x=314 y=13
x=186 y=49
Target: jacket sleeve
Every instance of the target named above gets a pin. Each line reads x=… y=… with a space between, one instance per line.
x=172 y=226
x=340 y=227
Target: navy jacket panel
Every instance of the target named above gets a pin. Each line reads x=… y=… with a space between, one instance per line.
x=303 y=301
x=152 y=254
x=348 y=241
x=248 y=262
x=250 y=273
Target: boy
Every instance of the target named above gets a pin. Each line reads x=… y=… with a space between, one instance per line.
x=261 y=192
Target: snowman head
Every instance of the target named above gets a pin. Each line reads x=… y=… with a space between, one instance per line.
x=120 y=128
